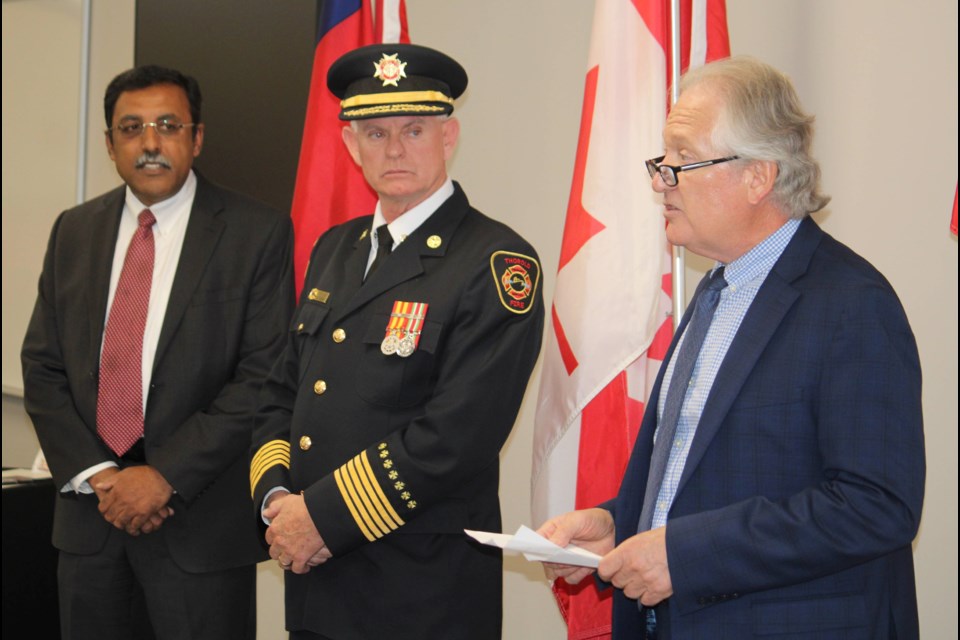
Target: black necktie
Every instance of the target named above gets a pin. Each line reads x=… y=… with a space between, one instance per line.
x=682 y=370
x=384 y=245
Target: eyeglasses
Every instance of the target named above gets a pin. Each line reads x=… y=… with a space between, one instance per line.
x=164 y=127
x=668 y=173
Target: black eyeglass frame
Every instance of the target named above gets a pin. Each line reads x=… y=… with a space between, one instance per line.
x=669 y=173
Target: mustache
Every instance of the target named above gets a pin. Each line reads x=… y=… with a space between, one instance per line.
x=153 y=158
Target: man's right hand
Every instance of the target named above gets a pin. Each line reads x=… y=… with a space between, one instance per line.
x=102 y=486
x=294 y=541
x=591 y=529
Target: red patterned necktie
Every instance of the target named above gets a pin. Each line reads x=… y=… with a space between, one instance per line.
x=120 y=399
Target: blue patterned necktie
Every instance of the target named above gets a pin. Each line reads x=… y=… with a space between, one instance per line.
x=686 y=358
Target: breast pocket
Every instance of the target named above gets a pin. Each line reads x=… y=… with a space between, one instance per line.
x=393 y=380
x=305 y=330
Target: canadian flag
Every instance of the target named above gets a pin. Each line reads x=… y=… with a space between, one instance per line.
x=953 y=218
x=330 y=188
x=610 y=320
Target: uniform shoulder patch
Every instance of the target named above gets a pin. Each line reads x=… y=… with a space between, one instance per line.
x=516 y=278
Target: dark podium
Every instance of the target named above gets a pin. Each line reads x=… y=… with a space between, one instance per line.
x=29 y=561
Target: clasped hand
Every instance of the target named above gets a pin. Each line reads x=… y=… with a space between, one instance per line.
x=294 y=541
x=133 y=499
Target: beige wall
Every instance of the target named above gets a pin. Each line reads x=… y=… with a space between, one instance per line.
x=881 y=77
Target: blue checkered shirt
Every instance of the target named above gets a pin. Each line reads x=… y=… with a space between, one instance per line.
x=744 y=277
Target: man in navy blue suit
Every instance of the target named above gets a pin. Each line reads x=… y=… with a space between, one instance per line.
x=777 y=481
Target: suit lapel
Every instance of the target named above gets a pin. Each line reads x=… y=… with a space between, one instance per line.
x=402 y=264
x=199 y=243
x=766 y=313
x=104 y=228
x=357 y=262
x=405 y=262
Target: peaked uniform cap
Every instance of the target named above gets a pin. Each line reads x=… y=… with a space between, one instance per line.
x=383 y=80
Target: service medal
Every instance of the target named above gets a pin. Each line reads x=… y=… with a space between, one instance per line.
x=407 y=346
x=402 y=334
x=389 y=345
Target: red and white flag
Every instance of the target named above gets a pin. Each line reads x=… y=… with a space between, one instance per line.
x=610 y=320
x=330 y=188
x=953 y=217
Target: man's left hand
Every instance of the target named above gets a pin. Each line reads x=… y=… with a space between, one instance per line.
x=134 y=499
x=294 y=540
x=639 y=567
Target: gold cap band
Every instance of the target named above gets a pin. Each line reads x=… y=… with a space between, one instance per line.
x=397 y=97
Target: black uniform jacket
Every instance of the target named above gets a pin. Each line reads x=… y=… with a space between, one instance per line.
x=396 y=456
x=231 y=299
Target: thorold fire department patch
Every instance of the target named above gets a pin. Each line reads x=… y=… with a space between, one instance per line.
x=516 y=277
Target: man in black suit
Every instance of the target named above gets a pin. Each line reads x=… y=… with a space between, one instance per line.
x=161 y=307
x=380 y=427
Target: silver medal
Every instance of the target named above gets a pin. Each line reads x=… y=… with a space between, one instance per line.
x=389 y=345
x=406 y=346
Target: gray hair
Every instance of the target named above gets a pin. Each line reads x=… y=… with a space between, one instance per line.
x=762 y=119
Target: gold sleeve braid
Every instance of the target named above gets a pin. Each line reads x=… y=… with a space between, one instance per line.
x=269 y=455
x=365 y=498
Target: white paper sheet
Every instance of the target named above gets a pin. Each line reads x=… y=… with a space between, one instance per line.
x=536 y=548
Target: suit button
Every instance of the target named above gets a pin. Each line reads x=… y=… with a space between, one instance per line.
x=305 y=443
x=339 y=335
x=320 y=387
x=300 y=327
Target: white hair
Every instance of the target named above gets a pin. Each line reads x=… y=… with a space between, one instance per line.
x=762 y=119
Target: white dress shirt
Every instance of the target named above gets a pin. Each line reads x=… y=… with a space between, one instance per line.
x=169 y=230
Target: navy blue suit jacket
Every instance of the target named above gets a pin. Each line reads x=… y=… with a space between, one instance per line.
x=804 y=484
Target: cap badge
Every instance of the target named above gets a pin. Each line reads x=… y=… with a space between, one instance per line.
x=389 y=69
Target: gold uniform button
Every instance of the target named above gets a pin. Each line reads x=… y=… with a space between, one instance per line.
x=305 y=443
x=319 y=387
x=434 y=242
x=300 y=327
x=339 y=335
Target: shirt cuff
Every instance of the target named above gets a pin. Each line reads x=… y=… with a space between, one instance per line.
x=80 y=482
x=266 y=499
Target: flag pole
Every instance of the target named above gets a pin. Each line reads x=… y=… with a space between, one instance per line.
x=84 y=106
x=678 y=281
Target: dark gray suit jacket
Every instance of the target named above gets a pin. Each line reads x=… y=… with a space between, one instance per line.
x=231 y=299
